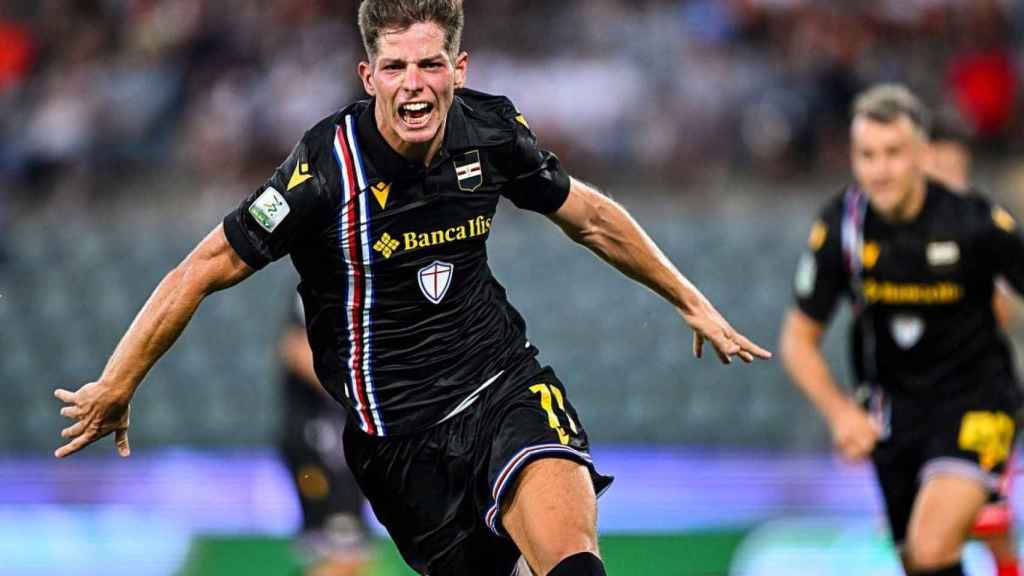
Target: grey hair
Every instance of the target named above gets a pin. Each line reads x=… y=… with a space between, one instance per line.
x=886 y=103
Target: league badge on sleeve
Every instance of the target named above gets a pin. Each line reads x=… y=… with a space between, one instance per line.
x=269 y=209
x=435 y=280
x=469 y=171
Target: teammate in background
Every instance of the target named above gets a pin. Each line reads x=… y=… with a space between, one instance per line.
x=949 y=162
x=333 y=535
x=469 y=451
x=934 y=371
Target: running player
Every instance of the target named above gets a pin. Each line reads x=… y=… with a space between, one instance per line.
x=934 y=371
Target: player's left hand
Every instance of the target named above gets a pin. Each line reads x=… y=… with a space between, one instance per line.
x=709 y=325
x=98 y=409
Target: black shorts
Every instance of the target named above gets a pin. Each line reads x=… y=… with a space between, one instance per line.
x=970 y=435
x=439 y=492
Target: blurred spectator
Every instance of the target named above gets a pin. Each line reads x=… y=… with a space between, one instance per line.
x=210 y=90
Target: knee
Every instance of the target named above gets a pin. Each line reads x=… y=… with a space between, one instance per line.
x=550 y=552
x=582 y=564
x=930 y=553
x=575 y=543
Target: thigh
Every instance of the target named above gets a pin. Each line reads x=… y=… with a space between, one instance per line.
x=552 y=513
x=943 y=514
x=532 y=420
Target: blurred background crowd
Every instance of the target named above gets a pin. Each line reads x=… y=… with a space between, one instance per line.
x=94 y=91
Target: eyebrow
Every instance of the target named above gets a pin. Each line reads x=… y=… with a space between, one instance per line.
x=434 y=58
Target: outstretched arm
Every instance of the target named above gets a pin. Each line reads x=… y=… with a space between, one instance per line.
x=102 y=407
x=602 y=225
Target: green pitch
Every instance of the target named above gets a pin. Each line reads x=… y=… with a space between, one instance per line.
x=693 y=554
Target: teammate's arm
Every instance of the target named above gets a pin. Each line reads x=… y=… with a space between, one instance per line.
x=298 y=357
x=602 y=225
x=1005 y=244
x=103 y=406
x=853 y=432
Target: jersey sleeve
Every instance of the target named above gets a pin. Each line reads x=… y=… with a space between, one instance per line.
x=289 y=206
x=535 y=179
x=1004 y=244
x=820 y=278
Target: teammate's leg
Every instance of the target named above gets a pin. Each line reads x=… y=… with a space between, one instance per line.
x=994 y=526
x=943 y=514
x=552 y=517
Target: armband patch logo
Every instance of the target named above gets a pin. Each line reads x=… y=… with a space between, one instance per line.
x=269 y=209
x=806 y=276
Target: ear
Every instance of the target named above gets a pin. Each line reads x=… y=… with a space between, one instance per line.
x=365 y=71
x=461 y=69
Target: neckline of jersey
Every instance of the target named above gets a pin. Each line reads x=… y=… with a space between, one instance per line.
x=389 y=164
x=930 y=190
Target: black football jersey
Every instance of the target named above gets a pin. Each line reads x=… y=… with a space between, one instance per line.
x=403 y=314
x=921 y=291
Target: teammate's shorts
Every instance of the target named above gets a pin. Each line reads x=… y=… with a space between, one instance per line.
x=332 y=523
x=439 y=492
x=970 y=435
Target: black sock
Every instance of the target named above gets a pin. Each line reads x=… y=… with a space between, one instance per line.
x=951 y=570
x=582 y=564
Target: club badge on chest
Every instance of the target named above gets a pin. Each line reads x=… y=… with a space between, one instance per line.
x=906 y=330
x=435 y=279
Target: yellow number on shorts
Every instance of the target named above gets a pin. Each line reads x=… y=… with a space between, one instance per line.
x=990 y=434
x=546 y=391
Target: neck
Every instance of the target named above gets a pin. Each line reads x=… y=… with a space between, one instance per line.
x=419 y=152
x=908 y=210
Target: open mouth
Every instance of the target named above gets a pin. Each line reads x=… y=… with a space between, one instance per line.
x=415 y=114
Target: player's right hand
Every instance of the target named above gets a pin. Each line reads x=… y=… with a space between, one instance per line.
x=854 y=433
x=98 y=409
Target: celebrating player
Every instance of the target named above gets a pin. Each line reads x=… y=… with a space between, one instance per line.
x=469 y=451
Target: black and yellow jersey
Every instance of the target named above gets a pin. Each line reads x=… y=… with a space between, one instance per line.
x=403 y=314
x=921 y=291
